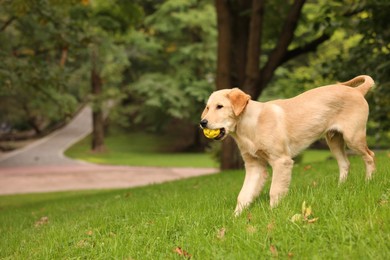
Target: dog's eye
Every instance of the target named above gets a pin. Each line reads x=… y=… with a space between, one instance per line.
x=219 y=106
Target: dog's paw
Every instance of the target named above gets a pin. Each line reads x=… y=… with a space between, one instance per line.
x=239 y=209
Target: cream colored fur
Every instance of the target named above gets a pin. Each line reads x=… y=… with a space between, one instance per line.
x=274 y=132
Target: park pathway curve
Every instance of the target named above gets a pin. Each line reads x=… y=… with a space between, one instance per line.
x=42 y=166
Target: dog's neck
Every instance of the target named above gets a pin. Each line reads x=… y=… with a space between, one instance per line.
x=249 y=117
x=248 y=123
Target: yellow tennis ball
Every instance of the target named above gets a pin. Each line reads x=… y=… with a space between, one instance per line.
x=211 y=133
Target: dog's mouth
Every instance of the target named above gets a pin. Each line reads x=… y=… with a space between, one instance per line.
x=222 y=133
x=214 y=134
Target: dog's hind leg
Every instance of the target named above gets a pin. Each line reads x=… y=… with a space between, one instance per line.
x=336 y=144
x=281 y=177
x=255 y=177
x=357 y=142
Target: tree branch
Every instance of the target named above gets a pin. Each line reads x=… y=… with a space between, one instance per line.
x=224 y=44
x=308 y=47
x=285 y=38
x=254 y=46
x=7 y=23
x=64 y=56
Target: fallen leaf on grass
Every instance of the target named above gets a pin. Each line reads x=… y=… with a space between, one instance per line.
x=306 y=210
x=312 y=220
x=249 y=217
x=89 y=233
x=273 y=250
x=221 y=233
x=42 y=221
x=178 y=250
x=271 y=226
x=307 y=167
x=306 y=215
x=290 y=255
x=296 y=218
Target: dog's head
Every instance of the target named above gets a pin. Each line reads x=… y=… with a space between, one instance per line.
x=222 y=110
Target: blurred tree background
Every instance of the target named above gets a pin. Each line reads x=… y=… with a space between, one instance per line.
x=154 y=63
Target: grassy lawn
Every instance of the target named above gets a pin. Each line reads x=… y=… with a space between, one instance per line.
x=194 y=217
x=139 y=149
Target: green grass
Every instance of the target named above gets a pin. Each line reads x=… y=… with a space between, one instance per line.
x=196 y=215
x=139 y=149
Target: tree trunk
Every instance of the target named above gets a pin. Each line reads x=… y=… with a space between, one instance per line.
x=232 y=48
x=240 y=25
x=224 y=21
x=254 y=49
x=97 y=114
x=230 y=155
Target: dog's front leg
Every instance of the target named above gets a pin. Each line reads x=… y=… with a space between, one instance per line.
x=281 y=177
x=255 y=177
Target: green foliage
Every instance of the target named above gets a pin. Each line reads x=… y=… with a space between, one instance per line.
x=35 y=38
x=116 y=16
x=157 y=58
x=173 y=57
x=46 y=47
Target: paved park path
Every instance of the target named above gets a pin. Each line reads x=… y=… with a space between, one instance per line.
x=42 y=166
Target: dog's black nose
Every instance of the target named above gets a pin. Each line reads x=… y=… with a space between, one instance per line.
x=203 y=123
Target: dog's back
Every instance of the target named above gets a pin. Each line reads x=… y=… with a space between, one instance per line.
x=338 y=107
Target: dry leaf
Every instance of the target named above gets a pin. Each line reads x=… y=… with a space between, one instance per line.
x=89 y=232
x=307 y=212
x=249 y=217
x=303 y=207
x=296 y=218
x=307 y=167
x=271 y=226
x=221 y=233
x=312 y=220
x=273 y=250
x=182 y=252
x=306 y=216
x=42 y=221
x=290 y=255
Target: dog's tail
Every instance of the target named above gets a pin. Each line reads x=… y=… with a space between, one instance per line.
x=363 y=83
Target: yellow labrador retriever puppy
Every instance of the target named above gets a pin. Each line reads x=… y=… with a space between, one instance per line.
x=276 y=131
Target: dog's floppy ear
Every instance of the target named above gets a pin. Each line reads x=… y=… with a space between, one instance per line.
x=239 y=100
